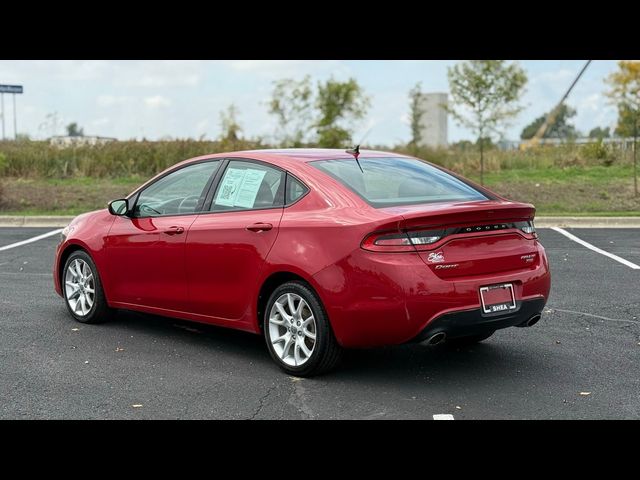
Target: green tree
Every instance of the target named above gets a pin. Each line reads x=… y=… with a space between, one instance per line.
x=600 y=133
x=417 y=111
x=485 y=143
x=23 y=137
x=625 y=93
x=462 y=145
x=74 y=131
x=626 y=122
x=561 y=128
x=485 y=95
x=292 y=104
x=339 y=105
x=230 y=128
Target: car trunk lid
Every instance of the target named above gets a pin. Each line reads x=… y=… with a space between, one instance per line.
x=476 y=238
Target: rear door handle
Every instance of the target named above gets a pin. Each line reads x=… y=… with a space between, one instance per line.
x=174 y=230
x=259 y=227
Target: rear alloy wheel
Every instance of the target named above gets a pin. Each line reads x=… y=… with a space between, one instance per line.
x=83 y=291
x=298 y=333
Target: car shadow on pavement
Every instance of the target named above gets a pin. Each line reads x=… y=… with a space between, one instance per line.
x=198 y=335
x=493 y=358
x=441 y=360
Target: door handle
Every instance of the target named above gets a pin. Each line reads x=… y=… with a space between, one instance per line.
x=174 y=230
x=259 y=227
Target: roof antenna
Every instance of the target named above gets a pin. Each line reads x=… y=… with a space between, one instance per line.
x=355 y=151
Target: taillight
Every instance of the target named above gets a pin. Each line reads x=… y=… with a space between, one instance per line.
x=388 y=242
x=401 y=242
x=527 y=227
x=419 y=240
x=426 y=237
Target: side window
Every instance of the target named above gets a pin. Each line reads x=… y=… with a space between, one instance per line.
x=249 y=186
x=178 y=193
x=295 y=190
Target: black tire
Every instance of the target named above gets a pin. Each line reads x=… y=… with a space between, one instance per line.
x=99 y=311
x=326 y=353
x=469 y=340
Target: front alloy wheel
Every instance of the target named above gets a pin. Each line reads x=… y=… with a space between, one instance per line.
x=82 y=289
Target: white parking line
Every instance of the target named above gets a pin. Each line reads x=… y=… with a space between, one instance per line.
x=596 y=249
x=594 y=316
x=443 y=416
x=30 y=240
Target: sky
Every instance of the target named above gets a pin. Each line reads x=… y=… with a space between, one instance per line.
x=183 y=98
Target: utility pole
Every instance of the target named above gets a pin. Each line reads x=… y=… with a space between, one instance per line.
x=15 y=121
x=551 y=117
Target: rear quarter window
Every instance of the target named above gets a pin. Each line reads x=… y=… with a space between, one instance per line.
x=294 y=190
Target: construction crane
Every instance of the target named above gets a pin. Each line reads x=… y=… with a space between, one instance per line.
x=553 y=114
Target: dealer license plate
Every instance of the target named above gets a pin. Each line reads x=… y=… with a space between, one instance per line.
x=497 y=298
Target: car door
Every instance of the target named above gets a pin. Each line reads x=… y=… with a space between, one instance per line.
x=145 y=249
x=227 y=245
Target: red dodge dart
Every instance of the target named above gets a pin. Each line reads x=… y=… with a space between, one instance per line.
x=317 y=250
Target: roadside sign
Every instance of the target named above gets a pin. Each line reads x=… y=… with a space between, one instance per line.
x=13 y=89
x=10 y=88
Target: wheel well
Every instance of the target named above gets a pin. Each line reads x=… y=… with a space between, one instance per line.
x=268 y=287
x=63 y=258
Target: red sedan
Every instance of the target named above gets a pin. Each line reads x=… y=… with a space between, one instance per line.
x=317 y=250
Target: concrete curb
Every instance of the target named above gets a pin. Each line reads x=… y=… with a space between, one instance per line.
x=34 y=221
x=541 y=222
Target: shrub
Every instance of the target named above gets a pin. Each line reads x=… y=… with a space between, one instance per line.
x=3 y=163
x=39 y=159
x=116 y=159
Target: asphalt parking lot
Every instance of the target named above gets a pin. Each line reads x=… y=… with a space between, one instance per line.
x=581 y=361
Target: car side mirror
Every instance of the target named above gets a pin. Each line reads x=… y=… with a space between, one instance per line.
x=119 y=207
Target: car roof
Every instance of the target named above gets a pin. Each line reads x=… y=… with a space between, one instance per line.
x=297 y=154
x=310 y=154
x=287 y=158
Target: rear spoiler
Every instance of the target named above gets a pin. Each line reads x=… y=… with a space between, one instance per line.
x=474 y=213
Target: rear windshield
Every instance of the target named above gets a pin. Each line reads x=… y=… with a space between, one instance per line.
x=388 y=182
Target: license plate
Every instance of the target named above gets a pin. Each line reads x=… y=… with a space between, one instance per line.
x=497 y=298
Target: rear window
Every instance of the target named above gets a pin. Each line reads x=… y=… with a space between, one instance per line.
x=388 y=182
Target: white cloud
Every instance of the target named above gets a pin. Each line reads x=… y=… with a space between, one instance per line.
x=152 y=81
x=100 y=122
x=112 y=100
x=120 y=73
x=157 y=101
x=158 y=74
x=20 y=71
x=591 y=102
x=203 y=127
x=554 y=77
x=290 y=68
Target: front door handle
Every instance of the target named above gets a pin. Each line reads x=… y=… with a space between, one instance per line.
x=259 y=227
x=174 y=230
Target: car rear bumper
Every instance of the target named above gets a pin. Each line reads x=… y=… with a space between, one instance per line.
x=472 y=322
x=390 y=299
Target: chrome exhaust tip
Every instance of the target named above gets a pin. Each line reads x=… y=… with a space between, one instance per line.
x=533 y=320
x=436 y=338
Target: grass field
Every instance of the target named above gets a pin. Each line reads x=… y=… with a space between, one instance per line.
x=36 y=178
x=587 y=190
